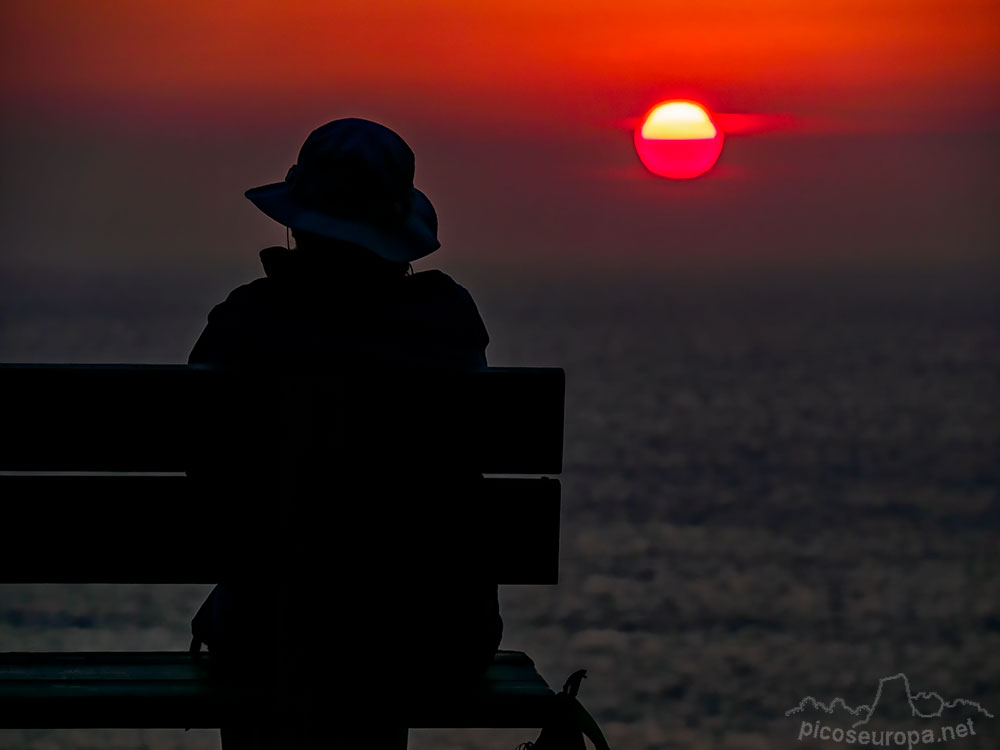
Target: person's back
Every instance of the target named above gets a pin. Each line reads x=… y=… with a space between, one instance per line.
x=345 y=299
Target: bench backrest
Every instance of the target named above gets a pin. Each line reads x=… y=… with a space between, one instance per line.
x=96 y=461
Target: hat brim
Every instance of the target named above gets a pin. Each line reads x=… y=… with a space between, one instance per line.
x=412 y=239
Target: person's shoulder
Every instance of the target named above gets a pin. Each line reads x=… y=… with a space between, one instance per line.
x=243 y=298
x=438 y=282
x=432 y=276
x=249 y=291
x=449 y=307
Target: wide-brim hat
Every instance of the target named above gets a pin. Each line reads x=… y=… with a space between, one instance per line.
x=353 y=181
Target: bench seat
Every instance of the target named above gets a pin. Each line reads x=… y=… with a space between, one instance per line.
x=177 y=690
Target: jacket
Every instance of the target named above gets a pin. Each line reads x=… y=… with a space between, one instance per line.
x=302 y=315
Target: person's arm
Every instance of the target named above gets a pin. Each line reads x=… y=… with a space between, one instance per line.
x=469 y=330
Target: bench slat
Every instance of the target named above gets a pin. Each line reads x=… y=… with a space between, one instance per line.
x=157 y=529
x=155 y=417
x=168 y=689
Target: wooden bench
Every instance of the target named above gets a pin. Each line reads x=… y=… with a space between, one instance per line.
x=100 y=484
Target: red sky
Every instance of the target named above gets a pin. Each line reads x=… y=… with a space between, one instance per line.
x=151 y=118
x=518 y=59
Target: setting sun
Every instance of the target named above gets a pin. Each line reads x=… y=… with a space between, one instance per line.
x=679 y=140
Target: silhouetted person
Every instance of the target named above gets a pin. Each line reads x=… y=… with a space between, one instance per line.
x=344 y=298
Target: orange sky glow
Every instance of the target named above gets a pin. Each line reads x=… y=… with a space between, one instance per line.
x=852 y=59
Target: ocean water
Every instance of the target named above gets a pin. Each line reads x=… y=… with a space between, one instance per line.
x=774 y=488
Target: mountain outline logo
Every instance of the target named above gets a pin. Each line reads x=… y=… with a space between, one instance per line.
x=868 y=710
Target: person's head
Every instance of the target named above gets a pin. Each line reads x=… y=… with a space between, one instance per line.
x=352 y=187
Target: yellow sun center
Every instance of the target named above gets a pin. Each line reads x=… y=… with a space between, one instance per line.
x=678 y=121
